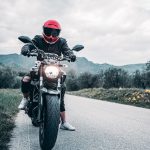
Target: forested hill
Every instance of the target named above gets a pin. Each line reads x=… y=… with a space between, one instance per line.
x=21 y=63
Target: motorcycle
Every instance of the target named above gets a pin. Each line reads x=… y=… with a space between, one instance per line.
x=47 y=78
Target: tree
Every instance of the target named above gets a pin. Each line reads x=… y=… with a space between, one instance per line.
x=8 y=78
x=71 y=81
x=146 y=75
x=114 y=77
x=88 y=80
x=148 y=66
x=137 y=79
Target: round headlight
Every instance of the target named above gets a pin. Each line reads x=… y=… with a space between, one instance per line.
x=51 y=72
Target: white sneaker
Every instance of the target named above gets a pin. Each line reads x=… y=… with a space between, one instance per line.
x=23 y=104
x=67 y=126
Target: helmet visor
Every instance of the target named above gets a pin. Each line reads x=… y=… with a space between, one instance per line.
x=51 y=32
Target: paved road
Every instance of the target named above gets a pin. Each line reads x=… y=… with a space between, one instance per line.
x=99 y=125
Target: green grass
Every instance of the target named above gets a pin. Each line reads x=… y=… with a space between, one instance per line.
x=130 y=96
x=9 y=100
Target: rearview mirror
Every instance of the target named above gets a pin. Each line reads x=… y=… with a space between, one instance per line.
x=77 y=48
x=25 y=39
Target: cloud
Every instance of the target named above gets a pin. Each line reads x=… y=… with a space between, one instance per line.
x=112 y=31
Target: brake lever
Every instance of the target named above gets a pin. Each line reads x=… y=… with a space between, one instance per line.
x=34 y=51
x=40 y=51
x=66 y=58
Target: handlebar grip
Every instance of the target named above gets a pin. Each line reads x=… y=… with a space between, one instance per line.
x=65 y=58
x=33 y=51
x=33 y=54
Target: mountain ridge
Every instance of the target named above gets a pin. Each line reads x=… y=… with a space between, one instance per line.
x=19 y=62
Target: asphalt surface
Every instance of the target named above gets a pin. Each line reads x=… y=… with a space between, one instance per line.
x=100 y=125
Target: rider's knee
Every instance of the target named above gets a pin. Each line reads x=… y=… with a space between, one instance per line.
x=64 y=86
x=25 y=84
x=26 y=79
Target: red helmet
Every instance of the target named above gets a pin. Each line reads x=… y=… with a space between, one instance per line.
x=51 y=30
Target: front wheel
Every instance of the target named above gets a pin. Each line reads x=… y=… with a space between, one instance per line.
x=50 y=122
x=34 y=122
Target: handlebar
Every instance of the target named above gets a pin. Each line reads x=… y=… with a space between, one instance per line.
x=37 y=52
x=65 y=58
x=32 y=54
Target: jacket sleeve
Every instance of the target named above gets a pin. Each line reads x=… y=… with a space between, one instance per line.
x=66 y=51
x=37 y=40
x=30 y=46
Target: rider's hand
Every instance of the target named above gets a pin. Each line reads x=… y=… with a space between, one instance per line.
x=25 y=50
x=73 y=58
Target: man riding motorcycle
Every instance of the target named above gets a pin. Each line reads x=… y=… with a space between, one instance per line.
x=49 y=42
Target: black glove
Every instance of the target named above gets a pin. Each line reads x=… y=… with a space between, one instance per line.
x=73 y=58
x=25 y=50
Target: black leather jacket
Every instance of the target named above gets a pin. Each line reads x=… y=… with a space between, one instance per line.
x=59 y=48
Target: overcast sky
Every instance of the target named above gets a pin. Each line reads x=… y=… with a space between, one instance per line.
x=112 y=31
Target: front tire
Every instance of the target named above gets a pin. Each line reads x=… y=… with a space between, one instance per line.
x=34 y=122
x=50 y=122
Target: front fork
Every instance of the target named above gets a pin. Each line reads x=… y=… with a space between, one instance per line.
x=40 y=95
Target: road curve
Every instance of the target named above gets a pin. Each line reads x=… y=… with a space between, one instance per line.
x=100 y=125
